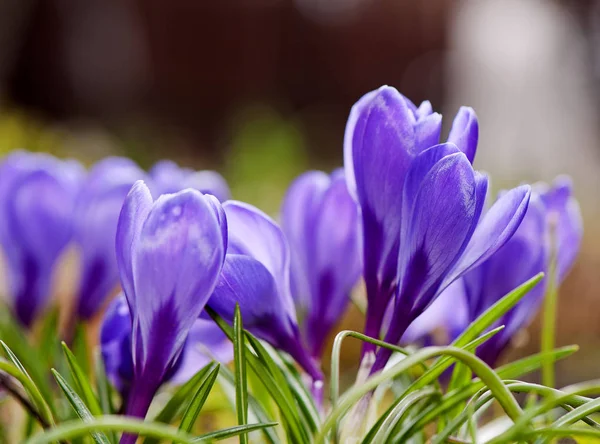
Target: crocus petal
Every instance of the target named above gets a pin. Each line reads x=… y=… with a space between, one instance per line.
x=96 y=218
x=496 y=228
x=442 y=219
x=250 y=284
x=205 y=342
x=208 y=182
x=566 y=222
x=115 y=344
x=38 y=227
x=298 y=211
x=247 y=282
x=449 y=312
x=134 y=212
x=180 y=238
x=337 y=261
x=253 y=233
x=465 y=132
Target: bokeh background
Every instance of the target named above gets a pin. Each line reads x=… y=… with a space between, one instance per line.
x=260 y=90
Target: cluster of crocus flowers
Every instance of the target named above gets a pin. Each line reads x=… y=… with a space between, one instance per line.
x=48 y=205
x=421 y=206
x=547 y=240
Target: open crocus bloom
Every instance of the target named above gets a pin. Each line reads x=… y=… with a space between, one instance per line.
x=421 y=203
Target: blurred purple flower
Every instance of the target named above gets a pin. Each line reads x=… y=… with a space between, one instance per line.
x=256 y=276
x=37 y=198
x=320 y=221
x=420 y=205
x=96 y=217
x=552 y=214
x=169 y=255
x=205 y=342
x=168 y=177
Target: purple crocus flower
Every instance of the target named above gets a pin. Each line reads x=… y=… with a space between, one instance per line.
x=96 y=216
x=169 y=255
x=552 y=223
x=168 y=177
x=420 y=205
x=256 y=276
x=320 y=221
x=37 y=198
x=205 y=341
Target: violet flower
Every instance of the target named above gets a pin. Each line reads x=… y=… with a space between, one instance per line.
x=420 y=206
x=37 y=198
x=168 y=177
x=96 y=216
x=320 y=221
x=552 y=226
x=205 y=341
x=169 y=255
x=256 y=276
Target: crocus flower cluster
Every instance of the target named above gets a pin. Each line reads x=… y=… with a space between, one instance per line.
x=177 y=255
x=550 y=233
x=47 y=205
x=421 y=207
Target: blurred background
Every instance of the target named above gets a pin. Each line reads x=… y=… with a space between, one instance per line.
x=260 y=90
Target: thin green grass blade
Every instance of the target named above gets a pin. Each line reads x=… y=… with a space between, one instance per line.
x=104 y=391
x=83 y=384
x=76 y=429
x=276 y=387
x=397 y=414
x=426 y=379
x=199 y=398
x=491 y=379
x=79 y=406
x=508 y=371
x=231 y=432
x=32 y=389
x=291 y=378
x=241 y=378
x=255 y=407
x=12 y=334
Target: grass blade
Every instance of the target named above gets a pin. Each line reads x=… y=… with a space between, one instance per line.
x=83 y=384
x=79 y=407
x=232 y=431
x=75 y=429
x=32 y=389
x=241 y=379
x=199 y=398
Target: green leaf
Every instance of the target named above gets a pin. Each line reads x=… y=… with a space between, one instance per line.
x=79 y=407
x=82 y=382
x=175 y=404
x=397 y=414
x=12 y=334
x=232 y=431
x=75 y=429
x=30 y=387
x=508 y=371
x=277 y=388
x=104 y=390
x=241 y=379
x=255 y=406
x=199 y=398
x=491 y=379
